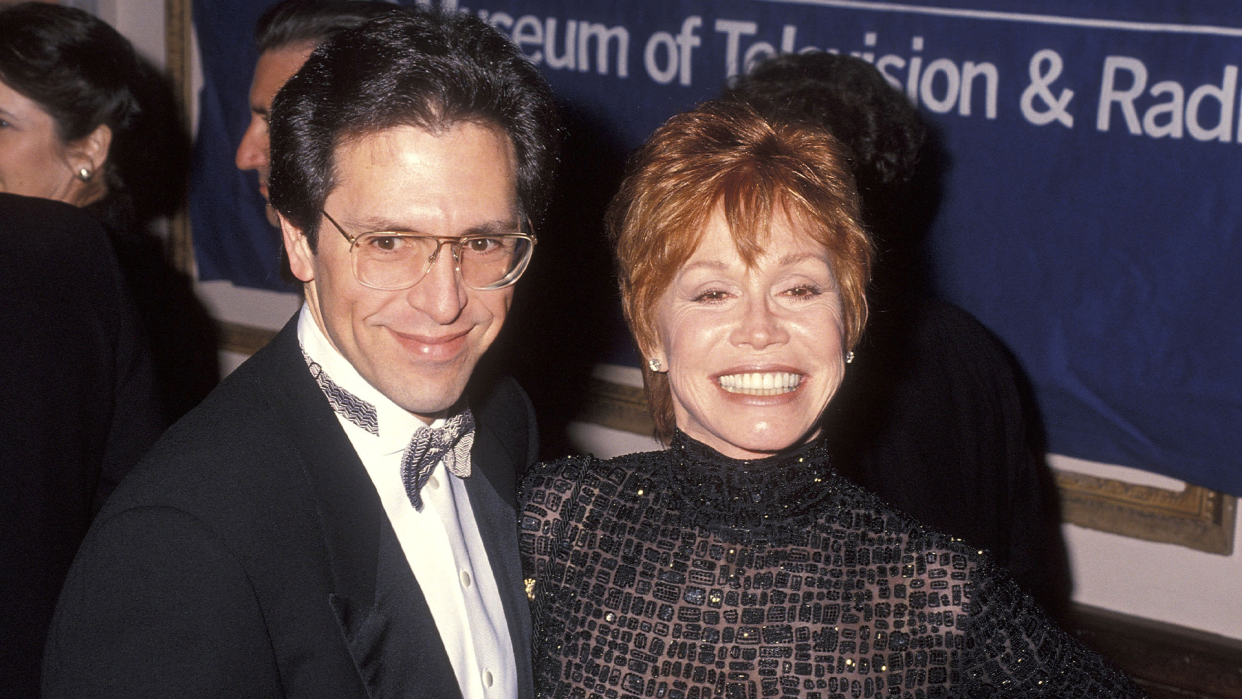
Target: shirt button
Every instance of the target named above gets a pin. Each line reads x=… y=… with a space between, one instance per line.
x=433 y=483
x=465 y=578
x=487 y=678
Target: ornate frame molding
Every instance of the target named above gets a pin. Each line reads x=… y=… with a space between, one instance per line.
x=1195 y=517
x=617 y=406
x=179 y=64
x=243 y=339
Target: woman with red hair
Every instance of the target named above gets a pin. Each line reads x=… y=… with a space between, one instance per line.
x=738 y=563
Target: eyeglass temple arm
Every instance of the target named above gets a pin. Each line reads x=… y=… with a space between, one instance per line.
x=338 y=227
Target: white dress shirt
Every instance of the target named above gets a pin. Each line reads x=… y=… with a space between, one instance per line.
x=442 y=543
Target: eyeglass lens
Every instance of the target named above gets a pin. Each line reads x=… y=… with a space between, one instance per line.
x=390 y=261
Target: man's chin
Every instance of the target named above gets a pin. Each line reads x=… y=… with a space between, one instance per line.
x=428 y=410
x=432 y=397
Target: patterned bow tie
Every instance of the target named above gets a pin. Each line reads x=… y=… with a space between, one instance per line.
x=451 y=443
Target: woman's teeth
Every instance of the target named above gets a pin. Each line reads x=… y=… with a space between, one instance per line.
x=761 y=384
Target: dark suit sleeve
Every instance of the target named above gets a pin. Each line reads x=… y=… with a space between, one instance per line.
x=504 y=409
x=137 y=416
x=78 y=409
x=155 y=605
x=1030 y=545
x=998 y=421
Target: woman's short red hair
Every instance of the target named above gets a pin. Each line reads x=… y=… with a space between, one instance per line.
x=725 y=154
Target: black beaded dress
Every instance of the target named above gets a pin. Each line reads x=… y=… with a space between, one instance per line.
x=683 y=574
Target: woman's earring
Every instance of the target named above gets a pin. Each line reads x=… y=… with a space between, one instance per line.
x=849 y=357
x=84 y=174
x=653 y=364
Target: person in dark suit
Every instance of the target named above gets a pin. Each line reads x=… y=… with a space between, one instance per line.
x=89 y=122
x=337 y=518
x=78 y=408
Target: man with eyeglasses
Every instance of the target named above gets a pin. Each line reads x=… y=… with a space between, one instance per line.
x=337 y=519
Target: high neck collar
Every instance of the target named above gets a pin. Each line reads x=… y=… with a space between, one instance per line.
x=748 y=495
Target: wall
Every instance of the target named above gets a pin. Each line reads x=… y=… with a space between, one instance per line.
x=1168 y=583
x=141 y=21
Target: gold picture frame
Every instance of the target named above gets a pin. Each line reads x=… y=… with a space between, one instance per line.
x=1194 y=517
x=179 y=65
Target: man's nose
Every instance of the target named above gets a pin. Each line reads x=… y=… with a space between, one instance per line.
x=252 y=151
x=441 y=293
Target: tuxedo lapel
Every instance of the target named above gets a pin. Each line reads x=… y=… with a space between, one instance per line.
x=384 y=618
x=495 y=515
x=343 y=495
x=394 y=643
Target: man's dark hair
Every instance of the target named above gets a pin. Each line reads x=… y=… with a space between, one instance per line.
x=299 y=22
x=430 y=69
x=849 y=97
x=892 y=158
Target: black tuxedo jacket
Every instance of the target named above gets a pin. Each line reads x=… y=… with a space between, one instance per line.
x=249 y=556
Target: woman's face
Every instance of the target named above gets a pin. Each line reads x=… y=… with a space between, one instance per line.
x=33 y=162
x=753 y=355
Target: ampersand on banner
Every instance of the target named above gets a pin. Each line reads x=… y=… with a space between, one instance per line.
x=1040 y=80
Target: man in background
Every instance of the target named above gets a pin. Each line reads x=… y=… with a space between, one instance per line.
x=285 y=35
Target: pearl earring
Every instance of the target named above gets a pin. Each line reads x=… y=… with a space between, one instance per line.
x=849 y=357
x=84 y=174
x=653 y=364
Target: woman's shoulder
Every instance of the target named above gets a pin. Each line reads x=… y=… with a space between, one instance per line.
x=1014 y=648
x=564 y=489
x=575 y=469
x=857 y=508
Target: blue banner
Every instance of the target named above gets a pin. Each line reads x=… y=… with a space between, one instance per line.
x=1088 y=216
x=232 y=238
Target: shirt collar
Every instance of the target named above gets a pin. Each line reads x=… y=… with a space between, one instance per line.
x=396 y=424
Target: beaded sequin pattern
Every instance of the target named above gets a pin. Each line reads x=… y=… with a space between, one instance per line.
x=684 y=575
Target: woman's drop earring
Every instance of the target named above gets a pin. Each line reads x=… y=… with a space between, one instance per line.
x=849 y=357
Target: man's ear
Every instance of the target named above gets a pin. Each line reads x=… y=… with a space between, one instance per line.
x=297 y=247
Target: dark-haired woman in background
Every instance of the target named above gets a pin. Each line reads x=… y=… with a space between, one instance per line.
x=738 y=563
x=86 y=121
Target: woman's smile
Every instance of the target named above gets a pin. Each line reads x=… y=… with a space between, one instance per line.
x=760 y=383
